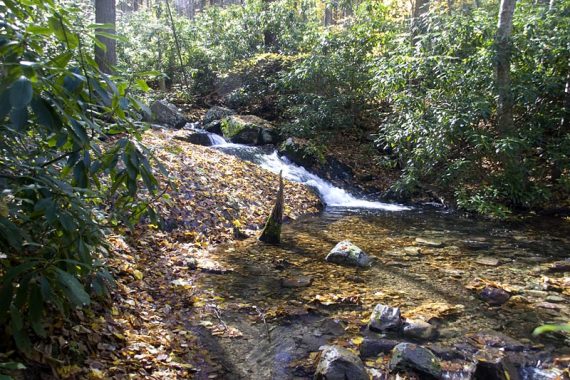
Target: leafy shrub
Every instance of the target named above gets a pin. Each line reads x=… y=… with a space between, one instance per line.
x=59 y=185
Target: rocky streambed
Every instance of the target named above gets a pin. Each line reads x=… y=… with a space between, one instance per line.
x=438 y=296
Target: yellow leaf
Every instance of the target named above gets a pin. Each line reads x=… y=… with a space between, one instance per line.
x=138 y=274
x=357 y=341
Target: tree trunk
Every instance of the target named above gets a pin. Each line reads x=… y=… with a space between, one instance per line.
x=272 y=231
x=419 y=22
x=503 y=44
x=105 y=13
x=328 y=15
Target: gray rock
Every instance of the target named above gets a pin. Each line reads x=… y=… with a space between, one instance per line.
x=560 y=266
x=555 y=299
x=430 y=242
x=167 y=114
x=494 y=296
x=418 y=329
x=192 y=263
x=476 y=245
x=385 y=318
x=373 y=347
x=411 y=357
x=486 y=260
x=216 y=113
x=346 y=253
x=338 y=363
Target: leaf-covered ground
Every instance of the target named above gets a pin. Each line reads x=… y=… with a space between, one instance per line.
x=144 y=332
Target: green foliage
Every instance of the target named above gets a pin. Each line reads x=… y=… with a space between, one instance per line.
x=60 y=185
x=441 y=123
x=551 y=328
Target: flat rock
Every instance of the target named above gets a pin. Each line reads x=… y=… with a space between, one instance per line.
x=296 y=282
x=476 y=245
x=412 y=357
x=338 y=363
x=555 y=299
x=346 y=253
x=429 y=242
x=487 y=260
x=560 y=266
x=385 y=318
x=412 y=250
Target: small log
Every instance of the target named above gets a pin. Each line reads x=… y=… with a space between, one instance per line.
x=271 y=233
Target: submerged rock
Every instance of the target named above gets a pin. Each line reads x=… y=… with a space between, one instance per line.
x=167 y=114
x=486 y=260
x=560 y=266
x=385 y=318
x=346 y=253
x=373 y=347
x=476 y=245
x=491 y=366
x=411 y=357
x=418 y=329
x=494 y=296
x=216 y=113
x=430 y=242
x=296 y=282
x=338 y=363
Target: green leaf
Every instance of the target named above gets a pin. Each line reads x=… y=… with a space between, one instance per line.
x=35 y=308
x=19 y=117
x=73 y=288
x=11 y=233
x=13 y=366
x=142 y=85
x=21 y=93
x=550 y=328
x=6 y=294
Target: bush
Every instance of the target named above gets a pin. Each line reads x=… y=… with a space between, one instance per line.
x=60 y=186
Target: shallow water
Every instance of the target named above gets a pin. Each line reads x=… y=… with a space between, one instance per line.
x=435 y=284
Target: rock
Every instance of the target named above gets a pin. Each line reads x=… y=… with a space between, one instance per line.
x=248 y=129
x=418 y=329
x=495 y=339
x=338 y=363
x=494 y=296
x=167 y=114
x=373 y=347
x=297 y=151
x=409 y=356
x=486 y=260
x=413 y=250
x=476 y=245
x=198 y=138
x=346 y=253
x=214 y=127
x=216 y=113
x=430 y=242
x=560 y=266
x=491 y=366
x=555 y=299
x=296 y=282
x=385 y=318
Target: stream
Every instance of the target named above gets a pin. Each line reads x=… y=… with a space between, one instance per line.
x=282 y=303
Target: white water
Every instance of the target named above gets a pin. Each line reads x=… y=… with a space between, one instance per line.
x=216 y=139
x=331 y=195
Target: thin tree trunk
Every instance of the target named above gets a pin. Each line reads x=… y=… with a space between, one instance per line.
x=105 y=13
x=503 y=68
x=328 y=15
x=419 y=14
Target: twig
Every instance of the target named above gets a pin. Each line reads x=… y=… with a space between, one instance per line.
x=262 y=316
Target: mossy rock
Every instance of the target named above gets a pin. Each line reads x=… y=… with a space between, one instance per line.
x=248 y=129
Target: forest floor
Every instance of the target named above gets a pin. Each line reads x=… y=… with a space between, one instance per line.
x=146 y=330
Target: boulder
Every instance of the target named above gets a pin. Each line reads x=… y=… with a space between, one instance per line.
x=248 y=130
x=412 y=357
x=385 y=318
x=338 y=363
x=418 y=329
x=494 y=296
x=346 y=253
x=214 y=127
x=167 y=114
x=216 y=113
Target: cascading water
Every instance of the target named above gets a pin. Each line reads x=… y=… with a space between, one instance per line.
x=331 y=195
